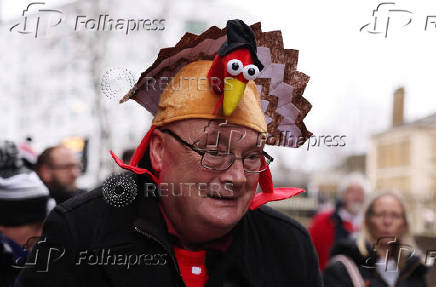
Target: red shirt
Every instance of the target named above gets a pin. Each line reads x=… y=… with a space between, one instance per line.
x=192 y=266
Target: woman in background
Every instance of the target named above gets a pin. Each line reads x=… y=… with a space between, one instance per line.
x=385 y=253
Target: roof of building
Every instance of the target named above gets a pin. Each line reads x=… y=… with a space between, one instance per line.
x=428 y=122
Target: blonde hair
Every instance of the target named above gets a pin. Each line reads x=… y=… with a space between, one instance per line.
x=365 y=231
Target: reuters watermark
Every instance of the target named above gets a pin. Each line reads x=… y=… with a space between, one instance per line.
x=191 y=83
x=116 y=82
x=187 y=189
x=121 y=190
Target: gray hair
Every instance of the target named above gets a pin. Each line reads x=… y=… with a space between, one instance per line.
x=354 y=178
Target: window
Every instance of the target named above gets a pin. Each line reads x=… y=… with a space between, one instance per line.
x=394 y=154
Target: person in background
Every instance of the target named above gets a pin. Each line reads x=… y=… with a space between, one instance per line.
x=27 y=153
x=127 y=155
x=328 y=227
x=59 y=169
x=385 y=253
x=23 y=208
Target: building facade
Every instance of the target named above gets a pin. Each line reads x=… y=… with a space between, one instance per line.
x=403 y=159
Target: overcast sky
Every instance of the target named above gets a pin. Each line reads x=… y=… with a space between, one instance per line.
x=353 y=74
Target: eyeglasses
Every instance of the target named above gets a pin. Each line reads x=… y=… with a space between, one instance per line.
x=219 y=161
x=383 y=215
x=66 y=166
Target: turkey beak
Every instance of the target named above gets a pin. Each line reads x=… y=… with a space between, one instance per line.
x=233 y=91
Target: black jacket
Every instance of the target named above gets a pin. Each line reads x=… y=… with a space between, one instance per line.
x=60 y=195
x=336 y=275
x=7 y=272
x=268 y=249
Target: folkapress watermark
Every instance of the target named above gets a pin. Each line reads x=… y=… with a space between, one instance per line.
x=38 y=20
x=108 y=23
x=398 y=251
x=105 y=257
x=388 y=17
x=45 y=255
x=287 y=138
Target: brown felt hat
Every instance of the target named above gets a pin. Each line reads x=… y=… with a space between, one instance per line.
x=189 y=95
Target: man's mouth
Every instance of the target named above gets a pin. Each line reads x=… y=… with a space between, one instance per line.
x=222 y=197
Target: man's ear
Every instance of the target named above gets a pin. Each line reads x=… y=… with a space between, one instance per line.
x=44 y=173
x=157 y=147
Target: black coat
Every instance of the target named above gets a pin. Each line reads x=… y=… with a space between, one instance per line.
x=268 y=249
x=336 y=275
x=60 y=195
x=7 y=272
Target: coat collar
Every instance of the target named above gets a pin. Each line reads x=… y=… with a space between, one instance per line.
x=244 y=256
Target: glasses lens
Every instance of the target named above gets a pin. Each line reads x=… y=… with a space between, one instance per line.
x=217 y=161
x=253 y=163
x=78 y=166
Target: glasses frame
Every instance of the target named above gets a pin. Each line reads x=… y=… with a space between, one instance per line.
x=383 y=215
x=202 y=153
x=78 y=166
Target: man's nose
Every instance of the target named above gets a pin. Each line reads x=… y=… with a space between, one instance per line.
x=387 y=221
x=75 y=171
x=236 y=174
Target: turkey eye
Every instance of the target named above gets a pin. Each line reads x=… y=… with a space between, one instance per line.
x=251 y=72
x=234 y=67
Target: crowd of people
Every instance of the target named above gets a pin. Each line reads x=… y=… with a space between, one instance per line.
x=384 y=254
x=29 y=189
x=366 y=245
x=356 y=244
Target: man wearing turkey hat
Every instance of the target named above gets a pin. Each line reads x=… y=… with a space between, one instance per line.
x=189 y=215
